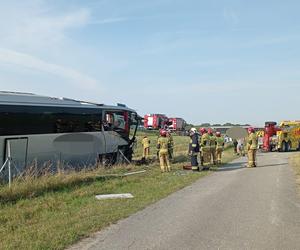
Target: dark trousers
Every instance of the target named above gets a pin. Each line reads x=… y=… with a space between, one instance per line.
x=194 y=162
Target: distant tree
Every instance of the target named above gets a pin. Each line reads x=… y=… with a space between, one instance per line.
x=217 y=125
x=228 y=124
x=205 y=125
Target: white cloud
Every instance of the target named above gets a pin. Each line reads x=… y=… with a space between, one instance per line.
x=34 y=24
x=16 y=59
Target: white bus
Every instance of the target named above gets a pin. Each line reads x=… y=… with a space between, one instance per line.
x=45 y=132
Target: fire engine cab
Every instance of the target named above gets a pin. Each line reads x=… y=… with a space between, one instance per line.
x=155 y=121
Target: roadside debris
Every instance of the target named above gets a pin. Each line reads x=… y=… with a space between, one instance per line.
x=114 y=196
x=133 y=173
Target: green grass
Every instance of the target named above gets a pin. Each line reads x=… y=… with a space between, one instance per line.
x=180 y=144
x=62 y=208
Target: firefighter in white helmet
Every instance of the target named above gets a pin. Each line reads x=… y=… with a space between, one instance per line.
x=194 y=149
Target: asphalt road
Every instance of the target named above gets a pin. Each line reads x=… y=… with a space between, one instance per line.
x=235 y=208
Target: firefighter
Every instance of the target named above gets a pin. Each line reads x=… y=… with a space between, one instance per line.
x=241 y=147
x=170 y=146
x=235 y=144
x=220 y=147
x=205 y=148
x=252 y=147
x=213 y=145
x=162 y=146
x=194 y=149
x=157 y=151
x=146 y=147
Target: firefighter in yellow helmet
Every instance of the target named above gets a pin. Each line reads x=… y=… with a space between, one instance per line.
x=162 y=146
x=220 y=147
x=146 y=147
x=252 y=147
x=213 y=146
x=205 y=148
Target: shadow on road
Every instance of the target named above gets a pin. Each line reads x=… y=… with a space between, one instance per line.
x=272 y=165
x=232 y=166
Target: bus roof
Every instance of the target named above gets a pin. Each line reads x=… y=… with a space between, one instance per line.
x=18 y=98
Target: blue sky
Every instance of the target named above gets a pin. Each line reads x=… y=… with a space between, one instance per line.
x=206 y=61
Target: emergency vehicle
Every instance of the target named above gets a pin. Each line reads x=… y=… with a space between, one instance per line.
x=288 y=136
x=155 y=121
x=176 y=124
x=269 y=135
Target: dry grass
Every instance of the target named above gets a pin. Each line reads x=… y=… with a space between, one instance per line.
x=31 y=186
x=54 y=211
x=295 y=162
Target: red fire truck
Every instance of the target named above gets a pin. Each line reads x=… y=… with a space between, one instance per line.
x=269 y=132
x=155 y=121
x=176 y=124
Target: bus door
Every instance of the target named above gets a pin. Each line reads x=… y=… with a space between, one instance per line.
x=18 y=152
x=115 y=121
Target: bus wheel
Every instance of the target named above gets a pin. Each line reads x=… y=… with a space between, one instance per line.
x=107 y=160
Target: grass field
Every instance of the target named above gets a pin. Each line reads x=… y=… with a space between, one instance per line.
x=180 y=144
x=55 y=211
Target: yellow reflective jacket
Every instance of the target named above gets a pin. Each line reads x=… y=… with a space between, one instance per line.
x=146 y=143
x=205 y=141
x=162 y=144
x=220 y=142
x=252 y=141
x=213 y=141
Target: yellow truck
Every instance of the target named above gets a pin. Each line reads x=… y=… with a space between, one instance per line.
x=288 y=136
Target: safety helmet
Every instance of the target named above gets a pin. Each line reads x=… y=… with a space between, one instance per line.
x=193 y=130
x=251 y=130
x=202 y=130
x=218 y=134
x=210 y=131
x=163 y=132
